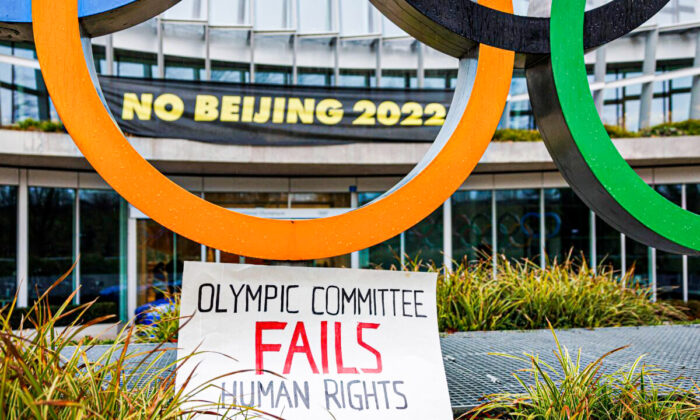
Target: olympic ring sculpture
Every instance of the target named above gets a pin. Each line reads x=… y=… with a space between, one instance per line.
x=455 y=27
x=458 y=148
x=97 y=17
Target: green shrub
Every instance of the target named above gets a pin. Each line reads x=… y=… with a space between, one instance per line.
x=47 y=374
x=524 y=296
x=616 y=132
x=684 y=128
x=166 y=325
x=105 y=310
x=510 y=134
x=576 y=392
x=30 y=124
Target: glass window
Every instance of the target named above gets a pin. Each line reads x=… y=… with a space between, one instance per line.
x=8 y=243
x=669 y=267
x=155 y=245
x=609 y=246
x=436 y=79
x=315 y=77
x=399 y=78
x=223 y=72
x=358 y=78
x=567 y=225
x=51 y=236
x=182 y=69
x=385 y=254
x=424 y=240
x=132 y=66
x=273 y=75
x=100 y=255
x=518 y=217
x=471 y=225
x=638 y=259
x=187 y=250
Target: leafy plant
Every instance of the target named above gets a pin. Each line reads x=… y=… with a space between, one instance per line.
x=523 y=295
x=47 y=374
x=510 y=134
x=166 y=323
x=616 y=132
x=96 y=310
x=31 y=124
x=683 y=128
x=573 y=391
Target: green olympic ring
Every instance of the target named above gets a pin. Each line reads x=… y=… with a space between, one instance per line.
x=611 y=188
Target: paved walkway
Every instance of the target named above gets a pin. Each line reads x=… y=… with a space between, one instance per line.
x=473 y=372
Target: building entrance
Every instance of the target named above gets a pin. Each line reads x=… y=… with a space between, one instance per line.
x=160 y=253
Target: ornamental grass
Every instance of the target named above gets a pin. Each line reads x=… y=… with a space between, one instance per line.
x=573 y=391
x=46 y=372
x=524 y=296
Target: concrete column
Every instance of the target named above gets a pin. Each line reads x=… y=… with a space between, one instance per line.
x=109 y=56
x=76 y=245
x=543 y=233
x=684 y=204
x=295 y=53
x=22 y=240
x=161 y=54
x=447 y=234
x=695 y=92
x=402 y=250
x=207 y=52
x=623 y=254
x=494 y=234
x=420 y=71
x=132 y=270
x=649 y=69
x=354 y=203
x=652 y=273
x=600 y=69
x=251 y=41
x=379 y=44
x=593 y=243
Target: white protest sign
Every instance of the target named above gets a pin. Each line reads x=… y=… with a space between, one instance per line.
x=346 y=344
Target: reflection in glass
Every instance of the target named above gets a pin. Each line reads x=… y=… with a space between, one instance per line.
x=609 y=246
x=385 y=254
x=8 y=243
x=155 y=246
x=638 y=259
x=51 y=250
x=471 y=225
x=518 y=218
x=424 y=240
x=669 y=267
x=567 y=225
x=99 y=247
x=278 y=200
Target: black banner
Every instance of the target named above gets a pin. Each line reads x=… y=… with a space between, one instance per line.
x=274 y=115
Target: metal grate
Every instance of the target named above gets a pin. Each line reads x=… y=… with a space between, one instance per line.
x=472 y=372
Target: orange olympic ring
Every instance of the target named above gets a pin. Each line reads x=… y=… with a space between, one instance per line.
x=59 y=48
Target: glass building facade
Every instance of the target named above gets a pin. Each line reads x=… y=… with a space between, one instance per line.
x=131 y=258
x=534 y=224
